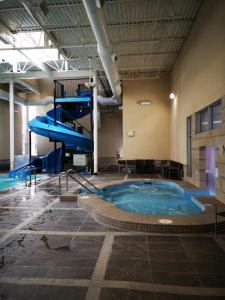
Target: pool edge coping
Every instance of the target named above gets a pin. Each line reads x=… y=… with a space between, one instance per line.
x=109 y=214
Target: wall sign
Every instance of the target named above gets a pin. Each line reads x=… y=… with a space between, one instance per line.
x=79 y=160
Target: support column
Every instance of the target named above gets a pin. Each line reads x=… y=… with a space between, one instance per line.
x=27 y=131
x=11 y=123
x=30 y=146
x=95 y=124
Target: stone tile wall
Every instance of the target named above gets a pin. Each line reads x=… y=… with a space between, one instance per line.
x=214 y=138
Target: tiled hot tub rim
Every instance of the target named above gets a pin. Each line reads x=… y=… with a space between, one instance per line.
x=129 y=222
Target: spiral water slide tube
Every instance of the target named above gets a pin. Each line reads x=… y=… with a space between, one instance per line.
x=71 y=108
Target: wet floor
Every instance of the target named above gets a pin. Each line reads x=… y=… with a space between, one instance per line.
x=55 y=250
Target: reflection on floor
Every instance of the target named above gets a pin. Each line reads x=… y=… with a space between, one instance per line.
x=55 y=250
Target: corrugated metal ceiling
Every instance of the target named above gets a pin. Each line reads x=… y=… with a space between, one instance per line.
x=146 y=35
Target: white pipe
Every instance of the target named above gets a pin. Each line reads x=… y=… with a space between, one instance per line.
x=95 y=124
x=49 y=100
x=108 y=100
x=43 y=102
x=11 y=123
x=99 y=27
x=4 y=95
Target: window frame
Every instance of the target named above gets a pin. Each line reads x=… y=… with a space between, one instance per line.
x=210 y=117
x=218 y=102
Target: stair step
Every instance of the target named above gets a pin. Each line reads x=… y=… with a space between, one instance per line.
x=70 y=195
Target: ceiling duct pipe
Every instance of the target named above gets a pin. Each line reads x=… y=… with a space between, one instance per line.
x=104 y=48
x=108 y=100
x=4 y=95
x=42 y=102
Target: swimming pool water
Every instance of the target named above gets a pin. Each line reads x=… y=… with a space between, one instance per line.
x=152 y=198
x=7 y=183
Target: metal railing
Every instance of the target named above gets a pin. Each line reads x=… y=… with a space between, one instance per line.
x=69 y=175
x=60 y=179
x=76 y=122
x=30 y=169
x=216 y=214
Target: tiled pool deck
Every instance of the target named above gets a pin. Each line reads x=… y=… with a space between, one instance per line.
x=55 y=250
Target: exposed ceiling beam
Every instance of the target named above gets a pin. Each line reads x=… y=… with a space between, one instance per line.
x=146 y=74
x=41 y=75
x=148 y=53
x=59 y=5
x=43 y=67
x=31 y=11
x=29 y=86
x=145 y=53
x=63 y=4
x=161 y=67
x=156 y=40
x=39 y=64
x=118 y=43
x=166 y=19
x=56 y=27
x=48 y=47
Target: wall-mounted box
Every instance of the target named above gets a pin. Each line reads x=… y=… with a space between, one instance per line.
x=79 y=160
x=131 y=133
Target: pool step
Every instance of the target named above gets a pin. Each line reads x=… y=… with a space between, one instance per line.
x=70 y=195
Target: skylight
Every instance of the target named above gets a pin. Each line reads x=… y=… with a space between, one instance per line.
x=26 y=40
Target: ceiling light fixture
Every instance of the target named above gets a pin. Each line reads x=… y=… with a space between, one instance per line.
x=144 y=102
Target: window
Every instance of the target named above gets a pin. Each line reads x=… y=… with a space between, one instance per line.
x=209 y=118
x=204 y=120
x=216 y=115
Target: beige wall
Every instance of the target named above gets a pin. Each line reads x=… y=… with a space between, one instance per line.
x=150 y=123
x=45 y=88
x=198 y=77
x=110 y=134
x=18 y=129
x=4 y=129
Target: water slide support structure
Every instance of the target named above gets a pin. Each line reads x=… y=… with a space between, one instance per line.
x=56 y=125
x=95 y=124
x=11 y=123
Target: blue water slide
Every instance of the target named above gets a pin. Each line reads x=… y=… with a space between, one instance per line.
x=24 y=171
x=61 y=133
x=53 y=161
x=70 y=109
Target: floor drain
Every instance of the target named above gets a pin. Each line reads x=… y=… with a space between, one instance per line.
x=165 y=221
